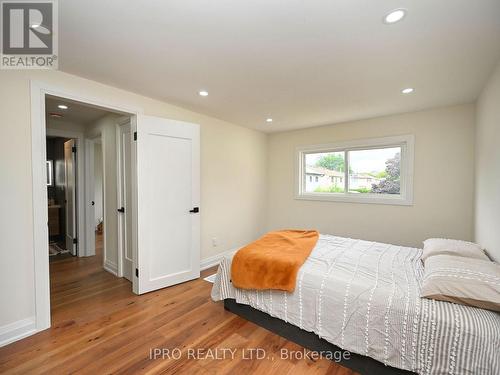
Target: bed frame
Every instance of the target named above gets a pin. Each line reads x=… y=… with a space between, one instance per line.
x=309 y=340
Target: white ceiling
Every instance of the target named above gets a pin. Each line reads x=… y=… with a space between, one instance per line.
x=77 y=112
x=301 y=62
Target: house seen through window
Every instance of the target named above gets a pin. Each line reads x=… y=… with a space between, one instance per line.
x=366 y=170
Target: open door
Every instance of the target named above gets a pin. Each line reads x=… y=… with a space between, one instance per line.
x=124 y=144
x=89 y=199
x=168 y=200
x=70 y=194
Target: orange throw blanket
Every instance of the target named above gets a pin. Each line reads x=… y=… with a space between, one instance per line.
x=273 y=261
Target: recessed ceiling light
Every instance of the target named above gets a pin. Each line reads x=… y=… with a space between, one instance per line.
x=62 y=106
x=203 y=93
x=269 y=120
x=395 y=16
x=408 y=90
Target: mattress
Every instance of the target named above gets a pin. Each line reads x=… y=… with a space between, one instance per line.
x=365 y=298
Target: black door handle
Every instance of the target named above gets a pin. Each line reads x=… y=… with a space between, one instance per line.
x=195 y=210
x=122 y=209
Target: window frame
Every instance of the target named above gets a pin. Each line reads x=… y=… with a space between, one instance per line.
x=405 y=198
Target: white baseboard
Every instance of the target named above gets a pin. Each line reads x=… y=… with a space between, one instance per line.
x=111 y=267
x=215 y=259
x=17 y=330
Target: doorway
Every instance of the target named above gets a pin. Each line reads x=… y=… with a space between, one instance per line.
x=164 y=197
x=81 y=160
x=71 y=237
x=61 y=195
x=96 y=226
x=98 y=187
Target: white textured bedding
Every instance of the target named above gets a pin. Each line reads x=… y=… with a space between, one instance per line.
x=365 y=297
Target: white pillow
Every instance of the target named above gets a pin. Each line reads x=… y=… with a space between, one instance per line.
x=470 y=282
x=442 y=246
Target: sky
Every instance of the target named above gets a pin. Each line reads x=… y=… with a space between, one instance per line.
x=363 y=161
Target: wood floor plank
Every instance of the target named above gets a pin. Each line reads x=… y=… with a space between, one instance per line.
x=100 y=327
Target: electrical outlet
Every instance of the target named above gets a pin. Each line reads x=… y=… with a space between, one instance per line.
x=214 y=242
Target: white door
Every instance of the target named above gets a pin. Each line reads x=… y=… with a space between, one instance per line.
x=124 y=139
x=70 y=194
x=168 y=200
x=89 y=200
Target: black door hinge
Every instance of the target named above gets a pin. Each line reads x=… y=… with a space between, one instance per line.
x=136 y=272
x=135 y=136
x=75 y=241
x=73 y=149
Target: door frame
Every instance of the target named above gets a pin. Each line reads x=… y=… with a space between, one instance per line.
x=38 y=91
x=80 y=183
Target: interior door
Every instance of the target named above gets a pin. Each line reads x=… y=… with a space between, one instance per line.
x=89 y=199
x=168 y=200
x=125 y=198
x=70 y=194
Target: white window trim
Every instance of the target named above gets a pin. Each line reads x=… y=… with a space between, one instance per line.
x=406 y=142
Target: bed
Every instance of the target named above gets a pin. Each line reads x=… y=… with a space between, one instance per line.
x=364 y=297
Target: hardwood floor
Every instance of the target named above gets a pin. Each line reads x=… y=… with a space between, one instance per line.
x=100 y=327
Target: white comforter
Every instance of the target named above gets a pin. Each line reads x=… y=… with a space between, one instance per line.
x=365 y=297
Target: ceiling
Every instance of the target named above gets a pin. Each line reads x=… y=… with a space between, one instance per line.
x=76 y=112
x=302 y=62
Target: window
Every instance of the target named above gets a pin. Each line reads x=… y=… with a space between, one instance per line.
x=366 y=171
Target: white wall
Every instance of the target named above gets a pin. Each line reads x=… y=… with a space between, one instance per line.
x=233 y=179
x=98 y=183
x=61 y=124
x=487 y=215
x=443 y=180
